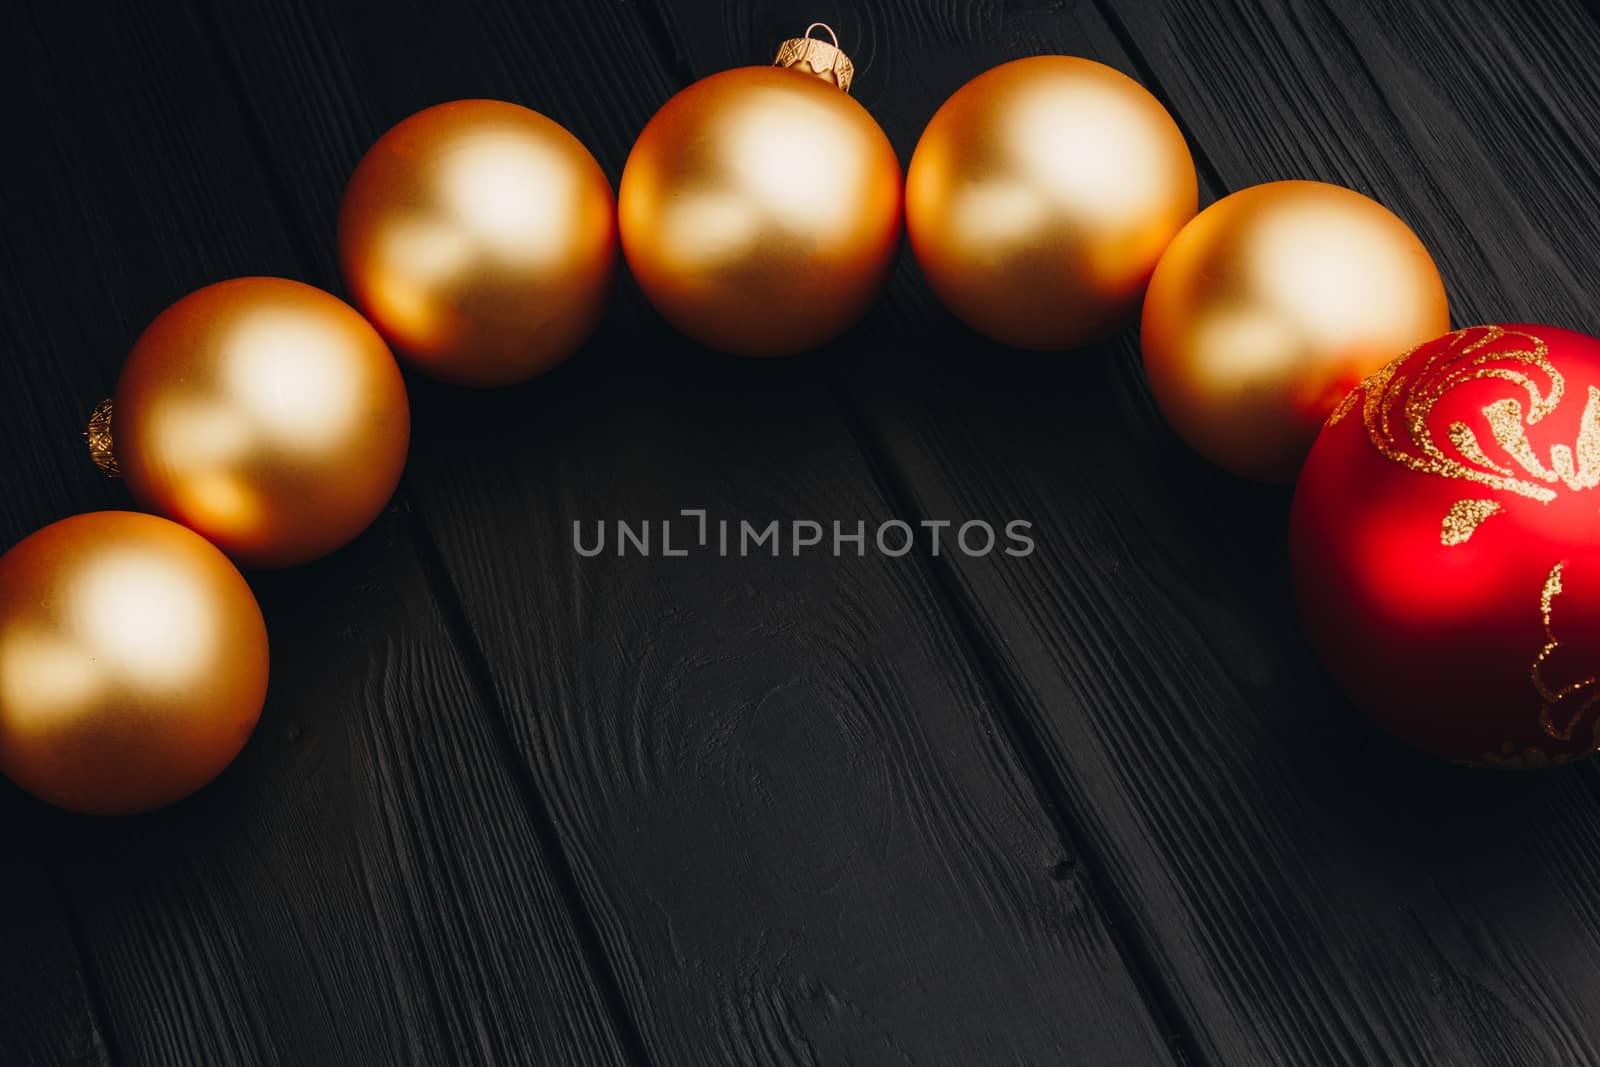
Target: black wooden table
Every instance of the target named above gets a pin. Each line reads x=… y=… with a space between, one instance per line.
x=508 y=804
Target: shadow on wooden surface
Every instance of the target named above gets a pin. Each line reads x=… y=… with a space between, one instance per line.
x=369 y=882
x=509 y=804
x=777 y=779
x=1297 y=888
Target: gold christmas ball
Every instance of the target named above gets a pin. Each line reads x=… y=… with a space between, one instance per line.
x=133 y=663
x=265 y=415
x=480 y=238
x=1272 y=305
x=1040 y=197
x=760 y=208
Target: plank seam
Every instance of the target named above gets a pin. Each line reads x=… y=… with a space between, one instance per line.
x=658 y=26
x=481 y=673
x=1029 y=751
x=1147 y=77
x=1025 y=747
x=448 y=602
x=254 y=136
x=93 y=983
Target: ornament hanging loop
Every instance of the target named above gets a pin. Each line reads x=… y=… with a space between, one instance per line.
x=834 y=37
x=816 y=57
x=98 y=435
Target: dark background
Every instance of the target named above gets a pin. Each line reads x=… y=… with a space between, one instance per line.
x=506 y=804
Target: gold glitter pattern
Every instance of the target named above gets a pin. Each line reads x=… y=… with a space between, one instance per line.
x=1466 y=443
x=100 y=444
x=1584 y=471
x=1395 y=409
x=1583 y=694
x=1509 y=758
x=1463 y=519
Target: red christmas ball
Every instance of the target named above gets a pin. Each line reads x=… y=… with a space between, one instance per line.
x=1445 y=543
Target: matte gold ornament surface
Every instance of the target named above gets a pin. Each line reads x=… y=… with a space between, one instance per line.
x=1270 y=307
x=264 y=414
x=1041 y=196
x=481 y=239
x=133 y=663
x=760 y=208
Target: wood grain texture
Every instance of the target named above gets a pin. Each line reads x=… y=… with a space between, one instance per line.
x=780 y=781
x=46 y=995
x=1097 y=805
x=47 y=1018
x=368 y=882
x=1305 y=892
x=1476 y=124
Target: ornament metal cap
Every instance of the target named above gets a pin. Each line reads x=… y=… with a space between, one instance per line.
x=99 y=437
x=819 y=58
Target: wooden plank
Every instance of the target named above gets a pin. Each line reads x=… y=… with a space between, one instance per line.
x=46 y=1013
x=47 y=1017
x=1475 y=122
x=370 y=882
x=780 y=780
x=1306 y=892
